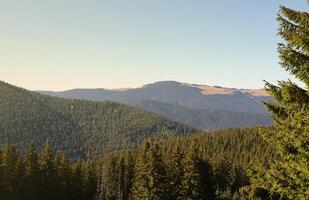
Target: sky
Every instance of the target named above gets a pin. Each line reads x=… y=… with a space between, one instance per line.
x=64 y=44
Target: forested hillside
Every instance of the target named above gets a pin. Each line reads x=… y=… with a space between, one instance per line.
x=206 y=119
x=199 y=166
x=45 y=174
x=80 y=128
x=202 y=166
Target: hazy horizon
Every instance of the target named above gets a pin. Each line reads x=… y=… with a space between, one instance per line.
x=140 y=86
x=59 y=45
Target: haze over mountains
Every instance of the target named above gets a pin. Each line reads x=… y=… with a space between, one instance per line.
x=200 y=106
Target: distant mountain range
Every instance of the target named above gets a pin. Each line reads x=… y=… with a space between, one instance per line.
x=200 y=106
x=80 y=128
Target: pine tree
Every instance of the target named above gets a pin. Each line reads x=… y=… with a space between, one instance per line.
x=191 y=182
x=63 y=175
x=175 y=171
x=32 y=174
x=47 y=170
x=77 y=181
x=159 y=182
x=129 y=173
x=11 y=166
x=207 y=180
x=102 y=183
x=121 y=177
x=224 y=178
x=140 y=187
x=151 y=180
x=89 y=179
x=288 y=177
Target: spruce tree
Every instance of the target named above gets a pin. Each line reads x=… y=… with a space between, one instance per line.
x=47 y=170
x=151 y=180
x=63 y=175
x=224 y=178
x=32 y=174
x=140 y=187
x=175 y=171
x=191 y=183
x=129 y=173
x=288 y=177
x=11 y=166
x=159 y=182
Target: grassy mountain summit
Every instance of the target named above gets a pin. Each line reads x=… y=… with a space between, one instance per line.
x=81 y=128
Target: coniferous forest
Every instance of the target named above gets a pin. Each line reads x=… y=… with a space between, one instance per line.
x=53 y=148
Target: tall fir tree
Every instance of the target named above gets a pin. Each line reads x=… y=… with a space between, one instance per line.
x=32 y=174
x=151 y=180
x=140 y=187
x=11 y=166
x=288 y=177
x=175 y=171
x=47 y=170
x=191 y=183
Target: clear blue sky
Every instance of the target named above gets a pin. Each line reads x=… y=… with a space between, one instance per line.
x=62 y=44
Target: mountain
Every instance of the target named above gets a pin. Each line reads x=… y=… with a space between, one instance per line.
x=206 y=119
x=189 y=95
x=79 y=127
x=200 y=106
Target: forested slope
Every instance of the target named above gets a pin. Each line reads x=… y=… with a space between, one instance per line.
x=208 y=166
x=80 y=128
x=201 y=166
x=206 y=119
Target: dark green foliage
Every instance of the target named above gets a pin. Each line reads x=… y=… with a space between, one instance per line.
x=191 y=180
x=190 y=167
x=80 y=128
x=44 y=175
x=288 y=177
x=151 y=180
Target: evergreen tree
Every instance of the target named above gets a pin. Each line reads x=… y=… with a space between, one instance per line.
x=175 y=171
x=121 y=177
x=89 y=179
x=47 y=170
x=151 y=180
x=288 y=177
x=63 y=175
x=112 y=184
x=140 y=187
x=102 y=183
x=129 y=174
x=77 y=181
x=32 y=174
x=191 y=183
x=11 y=166
x=224 y=178
x=207 y=179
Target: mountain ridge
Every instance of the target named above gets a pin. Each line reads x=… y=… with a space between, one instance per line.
x=200 y=106
x=189 y=95
x=202 y=87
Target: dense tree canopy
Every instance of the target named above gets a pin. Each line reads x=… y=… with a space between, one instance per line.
x=80 y=128
x=45 y=175
x=201 y=166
